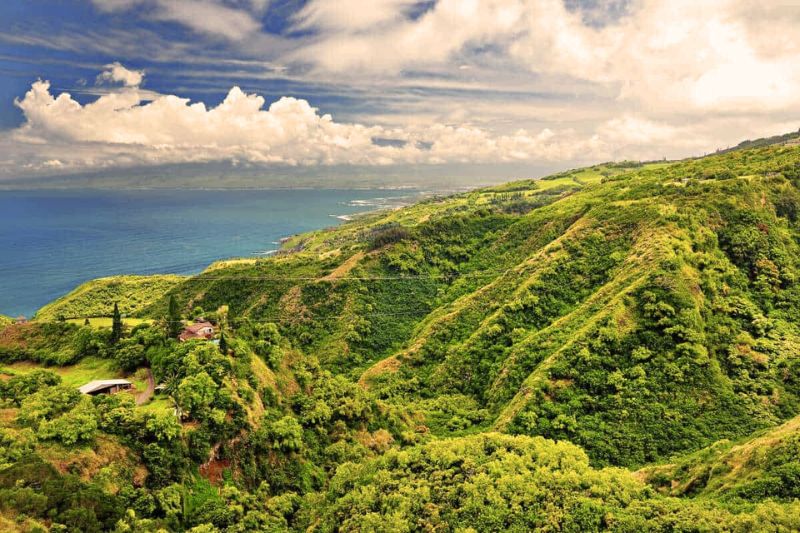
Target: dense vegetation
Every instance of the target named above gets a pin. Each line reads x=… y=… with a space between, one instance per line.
x=764 y=466
x=96 y=298
x=496 y=360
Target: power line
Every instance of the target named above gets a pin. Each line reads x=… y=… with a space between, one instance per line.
x=263 y=320
x=324 y=278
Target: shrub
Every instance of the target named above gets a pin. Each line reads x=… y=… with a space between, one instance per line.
x=385 y=235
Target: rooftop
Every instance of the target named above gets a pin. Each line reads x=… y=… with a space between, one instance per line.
x=100 y=384
x=197 y=326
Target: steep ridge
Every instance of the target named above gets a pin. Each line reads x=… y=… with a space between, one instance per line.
x=676 y=294
x=766 y=465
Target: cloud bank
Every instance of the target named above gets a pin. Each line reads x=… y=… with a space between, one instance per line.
x=715 y=55
x=122 y=128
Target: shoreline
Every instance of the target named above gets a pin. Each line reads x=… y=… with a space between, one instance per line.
x=350 y=204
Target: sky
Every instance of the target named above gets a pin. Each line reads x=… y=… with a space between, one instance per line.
x=511 y=87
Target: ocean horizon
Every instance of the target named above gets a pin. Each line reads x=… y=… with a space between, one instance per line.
x=54 y=240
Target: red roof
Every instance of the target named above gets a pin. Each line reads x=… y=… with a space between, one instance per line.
x=197 y=326
x=195 y=331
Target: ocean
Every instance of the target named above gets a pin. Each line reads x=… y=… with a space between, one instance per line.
x=51 y=241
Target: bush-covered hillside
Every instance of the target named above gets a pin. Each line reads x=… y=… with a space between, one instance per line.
x=96 y=298
x=635 y=310
x=766 y=465
x=495 y=360
x=495 y=482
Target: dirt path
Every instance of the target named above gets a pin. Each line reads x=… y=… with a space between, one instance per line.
x=342 y=270
x=144 y=396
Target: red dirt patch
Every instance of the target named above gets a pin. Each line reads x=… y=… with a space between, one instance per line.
x=214 y=469
x=15 y=335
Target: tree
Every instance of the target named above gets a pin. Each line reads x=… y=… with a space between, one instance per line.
x=86 y=322
x=223 y=345
x=163 y=426
x=20 y=387
x=77 y=425
x=116 y=325
x=286 y=434
x=222 y=316
x=196 y=394
x=173 y=318
x=130 y=356
x=46 y=404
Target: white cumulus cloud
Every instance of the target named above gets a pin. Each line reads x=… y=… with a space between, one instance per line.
x=129 y=127
x=116 y=73
x=450 y=81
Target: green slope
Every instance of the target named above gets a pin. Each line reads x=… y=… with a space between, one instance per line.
x=636 y=310
x=766 y=465
x=96 y=298
x=398 y=372
x=495 y=482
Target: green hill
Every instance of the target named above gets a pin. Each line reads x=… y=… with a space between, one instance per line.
x=635 y=310
x=766 y=465
x=96 y=298
x=514 y=349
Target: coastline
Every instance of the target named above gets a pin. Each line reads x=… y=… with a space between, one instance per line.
x=115 y=233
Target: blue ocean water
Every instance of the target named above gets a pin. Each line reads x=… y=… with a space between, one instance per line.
x=51 y=241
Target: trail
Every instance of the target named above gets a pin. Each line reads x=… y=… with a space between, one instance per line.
x=144 y=396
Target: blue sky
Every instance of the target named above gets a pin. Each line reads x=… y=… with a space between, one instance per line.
x=503 y=84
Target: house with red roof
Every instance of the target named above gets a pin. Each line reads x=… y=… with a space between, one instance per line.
x=199 y=330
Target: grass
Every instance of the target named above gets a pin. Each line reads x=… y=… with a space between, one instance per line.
x=724 y=465
x=587 y=176
x=86 y=370
x=159 y=404
x=225 y=263
x=105 y=322
x=544 y=185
